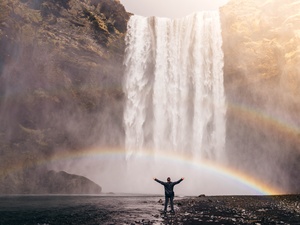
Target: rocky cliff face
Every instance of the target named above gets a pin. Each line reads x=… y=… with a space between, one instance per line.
x=262 y=82
x=65 y=183
x=49 y=182
x=60 y=80
x=61 y=84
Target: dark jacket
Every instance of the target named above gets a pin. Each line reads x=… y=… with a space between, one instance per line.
x=169 y=187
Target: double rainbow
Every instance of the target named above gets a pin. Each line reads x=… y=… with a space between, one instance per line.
x=237 y=177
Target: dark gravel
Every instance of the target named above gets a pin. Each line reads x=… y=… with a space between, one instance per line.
x=257 y=210
x=146 y=210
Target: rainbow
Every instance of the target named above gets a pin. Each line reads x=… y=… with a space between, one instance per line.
x=103 y=154
x=244 y=113
x=259 y=118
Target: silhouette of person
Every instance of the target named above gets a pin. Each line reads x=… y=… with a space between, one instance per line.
x=169 y=193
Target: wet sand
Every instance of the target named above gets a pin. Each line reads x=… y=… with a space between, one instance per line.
x=236 y=210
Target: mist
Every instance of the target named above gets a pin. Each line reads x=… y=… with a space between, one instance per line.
x=262 y=126
x=171 y=8
x=136 y=176
x=58 y=92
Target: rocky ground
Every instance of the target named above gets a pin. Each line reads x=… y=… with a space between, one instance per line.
x=236 y=210
x=112 y=209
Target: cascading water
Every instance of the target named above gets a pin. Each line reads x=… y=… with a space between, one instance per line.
x=174 y=86
x=174 y=117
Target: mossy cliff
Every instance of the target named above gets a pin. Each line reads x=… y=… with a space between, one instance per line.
x=60 y=81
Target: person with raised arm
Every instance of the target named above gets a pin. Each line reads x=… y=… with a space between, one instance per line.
x=169 y=192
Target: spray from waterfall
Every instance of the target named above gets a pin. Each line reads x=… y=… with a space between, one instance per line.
x=174 y=86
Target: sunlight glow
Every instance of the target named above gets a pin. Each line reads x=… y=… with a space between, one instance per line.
x=170 y=8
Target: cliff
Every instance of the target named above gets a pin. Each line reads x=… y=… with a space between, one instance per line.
x=262 y=83
x=60 y=80
x=65 y=183
x=48 y=182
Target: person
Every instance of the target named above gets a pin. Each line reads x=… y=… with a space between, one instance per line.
x=169 y=193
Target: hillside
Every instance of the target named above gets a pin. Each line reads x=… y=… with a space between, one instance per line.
x=60 y=80
x=262 y=84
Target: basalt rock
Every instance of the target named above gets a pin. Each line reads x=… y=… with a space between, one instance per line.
x=65 y=183
x=32 y=181
x=60 y=80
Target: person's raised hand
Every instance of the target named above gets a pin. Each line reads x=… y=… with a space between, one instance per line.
x=182 y=178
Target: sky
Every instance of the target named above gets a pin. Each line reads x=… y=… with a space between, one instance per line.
x=170 y=8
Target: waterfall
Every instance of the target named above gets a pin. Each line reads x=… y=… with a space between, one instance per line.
x=174 y=86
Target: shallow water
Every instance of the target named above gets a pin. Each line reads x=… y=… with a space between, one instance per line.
x=83 y=210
